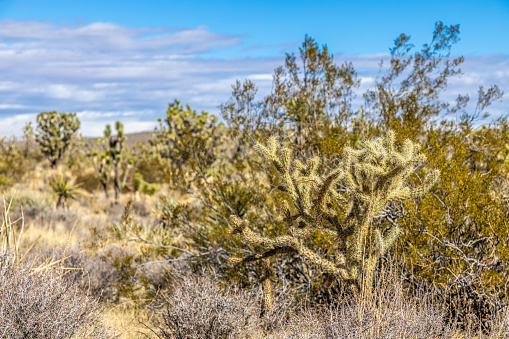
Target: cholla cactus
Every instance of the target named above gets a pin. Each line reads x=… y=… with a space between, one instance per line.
x=55 y=132
x=374 y=176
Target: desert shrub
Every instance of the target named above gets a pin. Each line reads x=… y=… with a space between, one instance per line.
x=172 y=214
x=310 y=101
x=386 y=314
x=94 y=274
x=29 y=199
x=456 y=237
x=41 y=304
x=199 y=308
x=141 y=208
x=5 y=181
x=13 y=165
x=85 y=174
x=136 y=253
x=45 y=215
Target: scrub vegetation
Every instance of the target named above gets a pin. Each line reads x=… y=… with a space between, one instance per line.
x=293 y=216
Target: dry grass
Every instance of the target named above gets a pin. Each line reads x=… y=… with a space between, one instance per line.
x=133 y=322
x=387 y=314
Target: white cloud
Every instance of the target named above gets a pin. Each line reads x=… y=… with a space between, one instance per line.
x=107 y=68
x=13 y=124
x=258 y=77
x=13 y=106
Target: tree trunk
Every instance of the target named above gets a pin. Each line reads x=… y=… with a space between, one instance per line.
x=117 y=183
x=105 y=188
x=59 y=201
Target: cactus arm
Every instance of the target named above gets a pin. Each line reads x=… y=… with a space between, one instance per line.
x=283 y=244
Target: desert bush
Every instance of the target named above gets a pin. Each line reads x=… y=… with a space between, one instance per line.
x=172 y=214
x=141 y=209
x=41 y=304
x=84 y=173
x=310 y=100
x=42 y=215
x=388 y=313
x=13 y=165
x=94 y=274
x=199 y=308
x=5 y=181
x=29 y=199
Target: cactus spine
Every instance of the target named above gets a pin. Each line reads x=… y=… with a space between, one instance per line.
x=374 y=176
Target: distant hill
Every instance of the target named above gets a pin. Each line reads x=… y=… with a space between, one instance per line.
x=132 y=138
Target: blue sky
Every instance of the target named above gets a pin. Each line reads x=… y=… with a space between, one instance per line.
x=109 y=60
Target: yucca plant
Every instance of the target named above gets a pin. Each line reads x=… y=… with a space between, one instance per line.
x=64 y=188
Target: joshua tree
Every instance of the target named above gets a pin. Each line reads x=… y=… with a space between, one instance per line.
x=187 y=139
x=28 y=137
x=55 y=132
x=114 y=152
x=102 y=166
x=341 y=204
